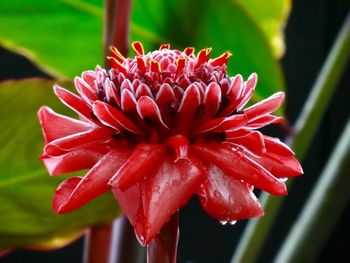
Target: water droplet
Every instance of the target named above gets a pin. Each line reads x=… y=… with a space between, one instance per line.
x=223 y=222
x=217 y=194
x=232 y=199
x=233 y=222
x=284 y=179
x=140 y=238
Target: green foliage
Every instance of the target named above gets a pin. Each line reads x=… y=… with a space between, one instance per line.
x=26 y=189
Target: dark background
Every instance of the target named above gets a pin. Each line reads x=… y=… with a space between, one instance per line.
x=311 y=30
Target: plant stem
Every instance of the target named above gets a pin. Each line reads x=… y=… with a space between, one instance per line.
x=116 y=30
x=114 y=242
x=323 y=208
x=97 y=244
x=257 y=230
x=163 y=247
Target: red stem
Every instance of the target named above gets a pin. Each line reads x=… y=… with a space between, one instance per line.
x=113 y=242
x=117 y=20
x=163 y=248
x=98 y=244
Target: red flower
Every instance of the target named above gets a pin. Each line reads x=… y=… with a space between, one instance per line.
x=161 y=127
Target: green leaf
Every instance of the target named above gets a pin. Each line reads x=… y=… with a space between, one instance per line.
x=26 y=189
x=271 y=19
x=63 y=37
x=220 y=24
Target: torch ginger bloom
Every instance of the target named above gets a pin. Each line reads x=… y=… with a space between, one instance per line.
x=161 y=127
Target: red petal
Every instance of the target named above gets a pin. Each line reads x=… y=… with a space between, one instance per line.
x=276 y=146
x=143 y=159
x=73 y=101
x=188 y=107
x=75 y=160
x=212 y=99
x=77 y=140
x=265 y=106
x=89 y=77
x=248 y=90
x=223 y=124
x=279 y=166
x=113 y=118
x=111 y=92
x=253 y=141
x=146 y=107
x=164 y=46
x=231 y=123
x=263 y=121
x=203 y=56
x=165 y=94
x=143 y=90
x=234 y=93
x=278 y=159
x=234 y=163
x=128 y=101
x=129 y=201
x=117 y=55
x=75 y=192
x=189 y=51
x=138 y=48
x=87 y=93
x=56 y=126
x=167 y=189
x=221 y=60
x=227 y=199
x=115 y=64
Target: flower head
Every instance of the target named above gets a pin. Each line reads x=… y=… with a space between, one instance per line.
x=161 y=127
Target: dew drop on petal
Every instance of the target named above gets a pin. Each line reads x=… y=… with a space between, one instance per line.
x=223 y=222
x=233 y=222
x=284 y=179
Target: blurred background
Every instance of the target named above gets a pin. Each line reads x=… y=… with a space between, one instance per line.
x=310 y=32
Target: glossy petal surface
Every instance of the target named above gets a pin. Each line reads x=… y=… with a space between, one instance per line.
x=166 y=190
x=227 y=199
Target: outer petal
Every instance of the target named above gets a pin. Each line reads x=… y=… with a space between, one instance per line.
x=263 y=121
x=77 y=140
x=73 y=101
x=253 y=141
x=265 y=106
x=166 y=190
x=234 y=163
x=223 y=124
x=75 y=160
x=129 y=200
x=279 y=166
x=227 y=199
x=144 y=158
x=56 y=126
x=247 y=93
x=76 y=192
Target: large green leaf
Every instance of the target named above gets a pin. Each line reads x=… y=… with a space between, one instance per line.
x=26 y=189
x=63 y=37
x=271 y=18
